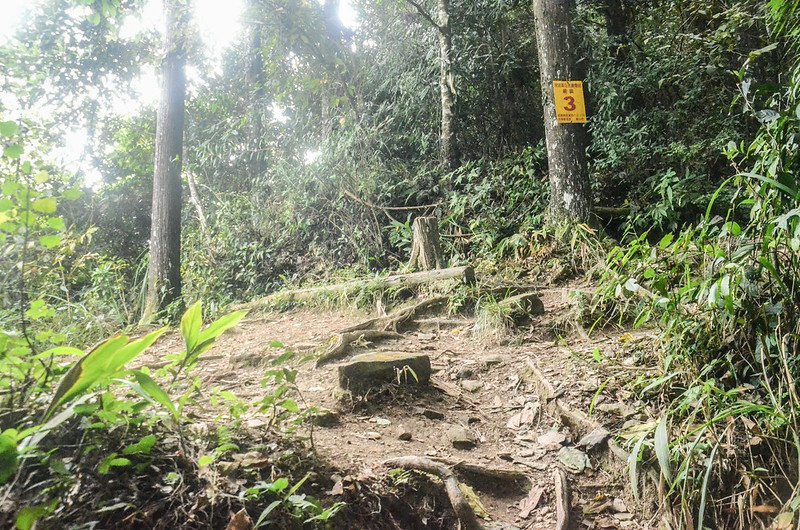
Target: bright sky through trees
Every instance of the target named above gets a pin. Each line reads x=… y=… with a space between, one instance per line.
x=219 y=23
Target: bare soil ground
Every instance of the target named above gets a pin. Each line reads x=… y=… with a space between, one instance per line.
x=483 y=388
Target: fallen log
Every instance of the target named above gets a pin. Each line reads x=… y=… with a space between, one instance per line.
x=465 y=274
x=460 y=505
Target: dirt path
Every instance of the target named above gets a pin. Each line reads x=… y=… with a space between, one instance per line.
x=484 y=389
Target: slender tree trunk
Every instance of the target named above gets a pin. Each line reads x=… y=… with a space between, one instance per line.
x=447 y=145
x=256 y=163
x=566 y=143
x=163 y=273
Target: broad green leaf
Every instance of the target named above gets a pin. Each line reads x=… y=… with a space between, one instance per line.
x=661 y=443
x=98 y=365
x=221 y=325
x=13 y=151
x=291 y=406
x=155 y=392
x=72 y=194
x=142 y=447
x=27 y=517
x=191 y=323
x=8 y=455
x=94 y=18
x=41 y=177
x=46 y=205
x=8 y=128
x=50 y=241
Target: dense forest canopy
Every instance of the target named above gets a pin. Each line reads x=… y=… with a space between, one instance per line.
x=180 y=161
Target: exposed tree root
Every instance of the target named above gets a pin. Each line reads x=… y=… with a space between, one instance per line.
x=344 y=340
x=374 y=329
x=460 y=505
x=562 y=499
x=399 y=318
x=507 y=475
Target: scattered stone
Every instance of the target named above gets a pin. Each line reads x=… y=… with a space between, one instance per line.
x=382 y=422
x=372 y=435
x=404 y=434
x=505 y=455
x=326 y=418
x=373 y=369
x=619 y=506
x=552 y=440
x=432 y=414
x=465 y=372
x=617 y=409
x=492 y=360
x=471 y=385
x=573 y=459
x=524 y=418
x=624 y=516
x=460 y=437
x=595 y=438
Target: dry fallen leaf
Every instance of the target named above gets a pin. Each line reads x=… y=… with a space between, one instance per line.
x=531 y=502
x=240 y=521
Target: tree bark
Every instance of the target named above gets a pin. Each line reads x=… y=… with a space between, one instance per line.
x=254 y=78
x=426 y=249
x=566 y=143
x=448 y=151
x=163 y=273
x=447 y=145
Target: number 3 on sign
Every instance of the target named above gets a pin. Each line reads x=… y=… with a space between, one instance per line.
x=570 y=104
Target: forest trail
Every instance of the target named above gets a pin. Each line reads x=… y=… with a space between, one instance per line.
x=488 y=390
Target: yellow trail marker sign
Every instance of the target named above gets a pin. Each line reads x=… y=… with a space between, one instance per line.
x=570 y=104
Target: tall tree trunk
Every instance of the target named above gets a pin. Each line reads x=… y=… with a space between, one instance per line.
x=616 y=28
x=254 y=77
x=447 y=146
x=163 y=273
x=566 y=143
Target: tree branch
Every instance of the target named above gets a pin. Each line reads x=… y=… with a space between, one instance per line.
x=425 y=14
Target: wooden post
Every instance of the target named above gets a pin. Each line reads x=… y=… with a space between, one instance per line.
x=426 y=250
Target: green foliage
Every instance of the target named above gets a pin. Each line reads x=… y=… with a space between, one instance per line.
x=723 y=294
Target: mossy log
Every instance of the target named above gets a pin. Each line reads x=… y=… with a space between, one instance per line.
x=465 y=274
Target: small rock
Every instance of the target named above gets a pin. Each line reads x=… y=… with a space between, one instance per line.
x=624 y=516
x=326 y=418
x=403 y=433
x=372 y=435
x=492 y=360
x=573 y=459
x=471 y=385
x=460 y=437
x=382 y=422
x=369 y=370
x=619 y=506
x=593 y=439
x=552 y=440
x=432 y=414
x=465 y=372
